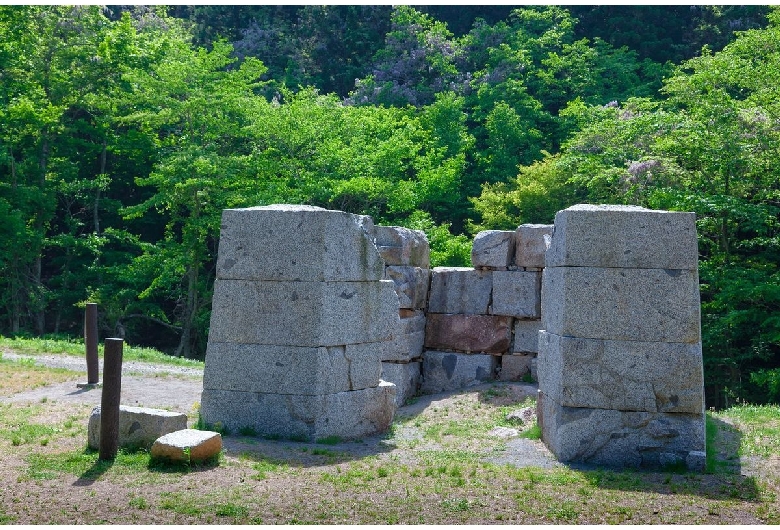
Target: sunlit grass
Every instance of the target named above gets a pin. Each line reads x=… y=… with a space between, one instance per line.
x=759 y=426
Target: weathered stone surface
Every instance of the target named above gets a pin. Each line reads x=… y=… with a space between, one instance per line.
x=460 y=290
x=589 y=235
x=406 y=378
x=408 y=341
x=138 y=426
x=303 y=313
x=621 y=375
x=401 y=246
x=187 y=445
x=286 y=242
x=654 y=305
x=517 y=294
x=515 y=367
x=503 y=432
x=307 y=417
x=444 y=371
x=531 y=242
x=470 y=333
x=619 y=438
x=292 y=369
x=411 y=285
x=526 y=336
x=493 y=249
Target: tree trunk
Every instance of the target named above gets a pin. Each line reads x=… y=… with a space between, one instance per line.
x=40 y=312
x=96 y=206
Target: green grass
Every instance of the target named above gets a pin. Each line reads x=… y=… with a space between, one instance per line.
x=759 y=426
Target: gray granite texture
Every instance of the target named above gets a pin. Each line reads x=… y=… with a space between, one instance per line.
x=517 y=294
x=411 y=285
x=515 y=367
x=445 y=371
x=303 y=313
x=347 y=415
x=402 y=246
x=139 y=427
x=618 y=438
x=526 y=336
x=469 y=333
x=409 y=339
x=405 y=376
x=460 y=290
x=589 y=235
x=621 y=375
x=297 y=243
x=493 y=249
x=654 y=305
x=531 y=242
x=292 y=369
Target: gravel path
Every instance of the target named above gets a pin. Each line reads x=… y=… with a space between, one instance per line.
x=78 y=364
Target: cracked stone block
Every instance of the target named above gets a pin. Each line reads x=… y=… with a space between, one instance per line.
x=409 y=340
x=445 y=371
x=617 y=438
x=493 y=249
x=187 y=445
x=515 y=367
x=526 y=334
x=411 y=285
x=292 y=369
x=615 y=236
x=402 y=246
x=139 y=427
x=406 y=378
x=285 y=242
x=469 y=333
x=517 y=294
x=531 y=242
x=652 y=305
x=347 y=415
x=621 y=375
x=460 y=290
x=303 y=313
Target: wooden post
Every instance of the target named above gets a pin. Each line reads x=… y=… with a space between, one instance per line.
x=109 y=402
x=91 y=343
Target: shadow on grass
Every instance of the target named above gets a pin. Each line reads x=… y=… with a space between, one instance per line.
x=97 y=470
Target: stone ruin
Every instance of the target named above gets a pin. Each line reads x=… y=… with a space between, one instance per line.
x=323 y=324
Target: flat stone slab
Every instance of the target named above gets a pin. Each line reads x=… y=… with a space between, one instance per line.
x=526 y=333
x=621 y=375
x=292 y=369
x=517 y=294
x=460 y=290
x=411 y=285
x=620 y=439
x=187 y=445
x=588 y=235
x=653 y=305
x=468 y=333
x=445 y=371
x=347 y=415
x=138 y=426
x=284 y=242
x=493 y=249
x=402 y=246
x=303 y=313
x=405 y=376
x=531 y=242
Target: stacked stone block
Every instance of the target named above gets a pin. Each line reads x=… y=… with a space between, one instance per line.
x=301 y=318
x=620 y=365
x=482 y=320
x=406 y=254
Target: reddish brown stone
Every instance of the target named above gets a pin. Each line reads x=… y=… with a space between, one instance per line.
x=469 y=333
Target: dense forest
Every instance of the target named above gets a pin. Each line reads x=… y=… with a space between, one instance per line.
x=125 y=130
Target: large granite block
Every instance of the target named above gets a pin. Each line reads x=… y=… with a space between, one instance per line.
x=402 y=246
x=470 y=333
x=493 y=249
x=589 y=235
x=445 y=371
x=517 y=294
x=526 y=336
x=621 y=375
x=409 y=339
x=286 y=242
x=515 y=367
x=139 y=427
x=303 y=313
x=411 y=285
x=460 y=290
x=292 y=369
x=531 y=242
x=617 y=438
x=654 y=305
x=347 y=415
x=406 y=378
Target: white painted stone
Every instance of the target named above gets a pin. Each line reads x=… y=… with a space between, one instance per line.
x=138 y=426
x=187 y=445
x=517 y=294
